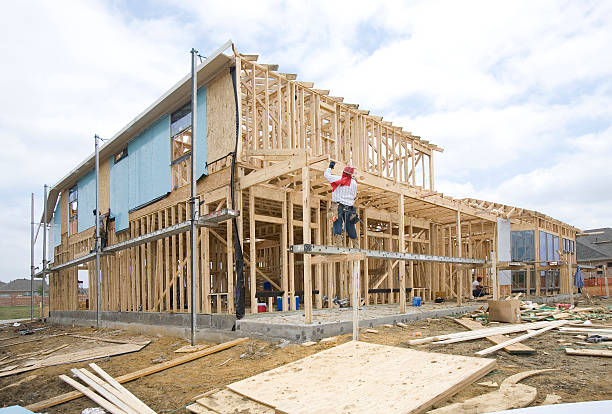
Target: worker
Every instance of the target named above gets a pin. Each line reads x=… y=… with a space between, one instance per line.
x=103 y=223
x=344 y=191
x=477 y=288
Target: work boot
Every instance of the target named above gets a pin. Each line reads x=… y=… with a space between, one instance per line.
x=353 y=243
x=338 y=240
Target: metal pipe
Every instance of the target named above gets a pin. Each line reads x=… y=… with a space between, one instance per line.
x=32 y=261
x=44 y=253
x=195 y=205
x=97 y=241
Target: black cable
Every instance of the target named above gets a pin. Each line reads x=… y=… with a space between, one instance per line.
x=239 y=301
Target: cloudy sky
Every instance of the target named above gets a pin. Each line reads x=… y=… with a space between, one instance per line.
x=519 y=94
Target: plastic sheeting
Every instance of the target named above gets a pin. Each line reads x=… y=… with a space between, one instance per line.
x=149 y=164
x=86 y=197
x=119 y=193
x=56 y=227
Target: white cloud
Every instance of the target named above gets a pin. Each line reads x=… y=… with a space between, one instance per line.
x=518 y=93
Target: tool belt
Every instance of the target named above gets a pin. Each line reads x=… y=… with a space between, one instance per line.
x=349 y=212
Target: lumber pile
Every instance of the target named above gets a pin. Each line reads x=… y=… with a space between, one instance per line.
x=107 y=392
x=140 y=373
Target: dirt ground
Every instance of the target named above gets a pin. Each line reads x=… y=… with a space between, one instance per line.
x=577 y=378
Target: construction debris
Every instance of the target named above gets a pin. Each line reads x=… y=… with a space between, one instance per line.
x=139 y=374
x=71 y=357
x=111 y=395
x=510 y=395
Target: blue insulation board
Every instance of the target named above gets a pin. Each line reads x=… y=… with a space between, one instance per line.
x=57 y=224
x=86 y=190
x=201 y=131
x=119 y=193
x=149 y=164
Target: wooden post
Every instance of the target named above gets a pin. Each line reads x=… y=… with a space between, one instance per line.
x=205 y=245
x=355 y=299
x=366 y=268
x=459 y=272
x=538 y=278
x=494 y=274
x=605 y=274
x=285 y=264
x=306 y=235
x=569 y=278
x=411 y=262
x=402 y=248
x=291 y=258
x=252 y=250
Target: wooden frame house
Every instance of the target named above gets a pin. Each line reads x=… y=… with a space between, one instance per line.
x=285 y=132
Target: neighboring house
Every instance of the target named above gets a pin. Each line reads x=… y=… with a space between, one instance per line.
x=21 y=287
x=595 y=249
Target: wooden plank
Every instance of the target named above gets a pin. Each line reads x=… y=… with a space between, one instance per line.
x=229 y=402
x=589 y=352
x=92 y=395
x=494 y=348
x=360 y=377
x=516 y=349
x=139 y=374
x=95 y=353
x=116 y=341
x=482 y=333
x=348 y=257
x=103 y=391
x=128 y=396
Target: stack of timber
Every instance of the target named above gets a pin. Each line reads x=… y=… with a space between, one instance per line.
x=355 y=377
x=60 y=399
x=107 y=392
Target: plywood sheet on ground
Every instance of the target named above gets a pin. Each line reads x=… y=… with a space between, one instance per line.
x=71 y=357
x=359 y=377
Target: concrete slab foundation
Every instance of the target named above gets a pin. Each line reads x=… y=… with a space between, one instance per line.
x=214 y=328
x=332 y=322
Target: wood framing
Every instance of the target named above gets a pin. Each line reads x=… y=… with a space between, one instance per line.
x=286 y=132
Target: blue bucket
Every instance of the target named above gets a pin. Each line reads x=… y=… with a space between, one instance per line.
x=279 y=303
x=416 y=301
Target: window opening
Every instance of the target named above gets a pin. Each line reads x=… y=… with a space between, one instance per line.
x=120 y=155
x=73 y=204
x=181 y=143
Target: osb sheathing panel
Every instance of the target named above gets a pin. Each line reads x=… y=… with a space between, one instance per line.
x=64 y=211
x=104 y=197
x=220 y=117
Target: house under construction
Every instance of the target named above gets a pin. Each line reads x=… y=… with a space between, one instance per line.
x=263 y=141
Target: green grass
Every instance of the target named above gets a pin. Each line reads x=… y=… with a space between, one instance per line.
x=16 y=312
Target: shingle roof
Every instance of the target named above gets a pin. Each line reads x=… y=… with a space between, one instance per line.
x=22 y=285
x=597 y=246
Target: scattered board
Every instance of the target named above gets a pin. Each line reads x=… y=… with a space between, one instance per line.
x=589 y=352
x=69 y=396
x=516 y=349
x=95 y=353
x=360 y=377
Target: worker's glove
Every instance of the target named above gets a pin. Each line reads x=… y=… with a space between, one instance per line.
x=354 y=218
x=332 y=164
